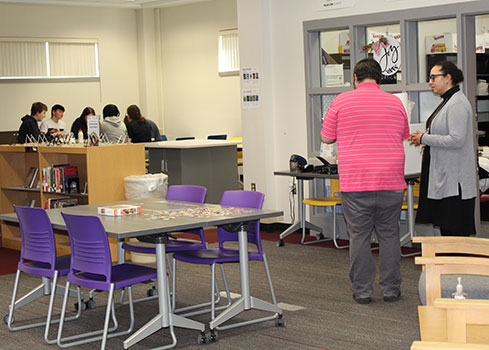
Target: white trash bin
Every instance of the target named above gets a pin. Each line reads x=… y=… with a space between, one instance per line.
x=145 y=186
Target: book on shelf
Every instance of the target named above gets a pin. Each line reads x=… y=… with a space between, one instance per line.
x=60 y=202
x=31 y=178
x=60 y=178
x=119 y=210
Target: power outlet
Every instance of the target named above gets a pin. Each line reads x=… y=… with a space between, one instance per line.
x=253 y=186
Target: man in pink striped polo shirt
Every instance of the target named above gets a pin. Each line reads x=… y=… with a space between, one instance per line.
x=369 y=126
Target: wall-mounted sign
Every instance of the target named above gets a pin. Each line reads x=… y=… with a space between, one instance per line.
x=388 y=53
x=325 y=5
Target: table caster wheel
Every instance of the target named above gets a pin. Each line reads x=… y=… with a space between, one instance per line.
x=280 y=321
x=152 y=292
x=5 y=319
x=213 y=336
x=319 y=236
x=280 y=243
x=202 y=339
x=91 y=304
x=83 y=305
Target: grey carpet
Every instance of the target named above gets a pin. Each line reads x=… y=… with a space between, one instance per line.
x=312 y=277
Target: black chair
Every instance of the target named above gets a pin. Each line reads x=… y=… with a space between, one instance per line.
x=185 y=138
x=217 y=137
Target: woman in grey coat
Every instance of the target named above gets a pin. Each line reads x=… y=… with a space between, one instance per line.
x=448 y=187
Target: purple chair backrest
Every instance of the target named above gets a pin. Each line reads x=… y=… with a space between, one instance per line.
x=90 y=250
x=243 y=199
x=186 y=193
x=37 y=235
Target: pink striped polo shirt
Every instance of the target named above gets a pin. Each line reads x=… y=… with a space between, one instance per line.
x=369 y=126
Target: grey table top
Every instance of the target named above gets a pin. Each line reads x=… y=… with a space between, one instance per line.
x=159 y=216
x=314 y=175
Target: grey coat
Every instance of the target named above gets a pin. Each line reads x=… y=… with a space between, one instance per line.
x=452 y=150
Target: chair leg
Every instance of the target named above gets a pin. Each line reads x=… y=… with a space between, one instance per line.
x=102 y=334
x=31 y=296
x=335 y=232
x=226 y=287
x=184 y=310
x=303 y=223
x=107 y=317
x=51 y=302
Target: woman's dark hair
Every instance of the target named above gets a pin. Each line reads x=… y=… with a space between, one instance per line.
x=87 y=111
x=368 y=68
x=134 y=113
x=448 y=67
x=110 y=111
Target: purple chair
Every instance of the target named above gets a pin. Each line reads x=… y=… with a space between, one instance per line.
x=91 y=267
x=38 y=257
x=222 y=255
x=184 y=193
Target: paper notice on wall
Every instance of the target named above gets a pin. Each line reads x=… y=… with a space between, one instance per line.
x=249 y=77
x=327 y=5
x=250 y=98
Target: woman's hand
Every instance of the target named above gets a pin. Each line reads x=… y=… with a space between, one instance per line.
x=415 y=138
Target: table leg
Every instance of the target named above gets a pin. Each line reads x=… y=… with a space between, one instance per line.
x=164 y=318
x=300 y=214
x=246 y=301
x=302 y=223
x=408 y=236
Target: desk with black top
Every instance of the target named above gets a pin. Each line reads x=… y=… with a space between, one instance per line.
x=156 y=220
x=301 y=176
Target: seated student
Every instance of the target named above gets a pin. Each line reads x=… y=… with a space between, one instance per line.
x=54 y=126
x=80 y=123
x=139 y=128
x=111 y=124
x=29 y=122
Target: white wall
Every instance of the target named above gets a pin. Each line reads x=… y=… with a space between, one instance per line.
x=196 y=100
x=271 y=39
x=116 y=32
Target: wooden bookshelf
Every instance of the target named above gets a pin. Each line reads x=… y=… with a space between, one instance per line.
x=103 y=168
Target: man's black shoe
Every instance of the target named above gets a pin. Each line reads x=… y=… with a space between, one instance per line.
x=364 y=300
x=392 y=298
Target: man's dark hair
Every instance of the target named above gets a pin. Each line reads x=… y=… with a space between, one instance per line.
x=368 y=68
x=110 y=111
x=448 y=67
x=38 y=107
x=55 y=108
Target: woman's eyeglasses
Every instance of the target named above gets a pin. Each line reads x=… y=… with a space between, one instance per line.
x=433 y=76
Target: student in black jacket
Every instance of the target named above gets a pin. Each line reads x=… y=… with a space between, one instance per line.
x=29 y=124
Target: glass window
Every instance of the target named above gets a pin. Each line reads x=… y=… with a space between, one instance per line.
x=326 y=102
x=437 y=41
x=383 y=44
x=335 y=58
x=427 y=104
